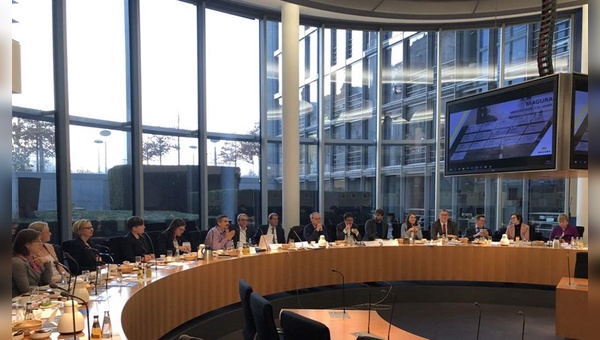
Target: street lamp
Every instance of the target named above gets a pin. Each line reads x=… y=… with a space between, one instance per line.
x=105 y=133
x=99 y=141
x=193 y=147
x=215 y=141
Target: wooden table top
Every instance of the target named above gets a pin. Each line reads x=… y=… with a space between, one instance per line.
x=180 y=292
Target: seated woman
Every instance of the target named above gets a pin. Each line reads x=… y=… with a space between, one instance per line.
x=563 y=230
x=171 y=238
x=28 y=270
x=411 y=227
x=47 y=250
x=82 y=249
x=135 y=243
x=517 y=228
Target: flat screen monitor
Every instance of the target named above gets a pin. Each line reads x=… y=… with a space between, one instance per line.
x=579 y=123
x=512 y=129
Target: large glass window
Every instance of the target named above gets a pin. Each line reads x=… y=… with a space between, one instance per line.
x=96 y=59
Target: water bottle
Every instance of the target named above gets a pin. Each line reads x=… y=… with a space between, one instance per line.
x=28 y=311
x=176 y=254
x=119 y=274
x=96 y=331
x=106 y=326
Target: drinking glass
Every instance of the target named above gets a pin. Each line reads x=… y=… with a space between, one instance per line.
x=138 y=260
x=187 y=245
x=85 y=275
x=169 y=254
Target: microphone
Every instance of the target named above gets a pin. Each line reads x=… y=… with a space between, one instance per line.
x=479 y=320
x=343 y=291
x=56 y=263
x=76 y=269
x=369 y=306
x=87 y=311
x=297 y=236
x=153 y=252
x=392 y=312
x=523 y=329
x=55 y=286
x=569 y=268
x=103 y=248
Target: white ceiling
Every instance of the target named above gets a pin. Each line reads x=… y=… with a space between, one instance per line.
x=413 y=11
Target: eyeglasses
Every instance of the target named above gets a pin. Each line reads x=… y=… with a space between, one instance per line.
x=87 y=228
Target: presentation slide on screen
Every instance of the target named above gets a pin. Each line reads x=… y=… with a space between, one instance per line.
x=516 y=128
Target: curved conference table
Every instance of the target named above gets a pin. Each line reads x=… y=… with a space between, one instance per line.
x=177 y=295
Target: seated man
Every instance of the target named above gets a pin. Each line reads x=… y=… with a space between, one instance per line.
x=243 y=231
x=347 y=229
x=479 y=230
x=444 y=226
x=273 y=228
x=314 y=230
x=219 y=236
x=376 y=227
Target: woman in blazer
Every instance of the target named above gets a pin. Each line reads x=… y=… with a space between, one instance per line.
x=171 y=238
x=517 y=227
x=28 y=270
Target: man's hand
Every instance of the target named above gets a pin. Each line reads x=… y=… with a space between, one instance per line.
x=230 y=235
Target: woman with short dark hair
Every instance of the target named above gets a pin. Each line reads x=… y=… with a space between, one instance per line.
x=28 y=270
x=135 y=243
x=517 y=228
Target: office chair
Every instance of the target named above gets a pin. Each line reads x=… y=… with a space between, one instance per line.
x=581 y=265
x=262 y=311
x=298 y=327
x=114 y=243
x=296 y=233
x=249 y=327
x=580 y=230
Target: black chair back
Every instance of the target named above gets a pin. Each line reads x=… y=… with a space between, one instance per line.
x=298 y=327
x=581 y=266
x=115 y=247
x=262 y=311
x=249 y=327
x=296 y=233
x=60 y=256
x=580 y=230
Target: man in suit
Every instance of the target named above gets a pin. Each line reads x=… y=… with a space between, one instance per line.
x=444 y=226
x=243 y=231
x=347 y=229
x=273 y=228
x=479 y=230
x=376 y=227
x=314 y=230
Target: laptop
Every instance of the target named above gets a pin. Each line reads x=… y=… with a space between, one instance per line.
x=264 y=241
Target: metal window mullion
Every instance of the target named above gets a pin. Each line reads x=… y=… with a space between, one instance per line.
x=202 y=134
x=501 y=70
x=264 y=157
x=61 y=119
x=321 y=115
x=438 y=124
x=378 y=127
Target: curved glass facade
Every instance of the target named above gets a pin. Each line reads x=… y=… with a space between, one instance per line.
x=210 y=95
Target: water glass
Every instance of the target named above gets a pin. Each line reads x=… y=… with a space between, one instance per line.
x=187 y=245
x=169 y=254
x=138 y=260
x=85 y=275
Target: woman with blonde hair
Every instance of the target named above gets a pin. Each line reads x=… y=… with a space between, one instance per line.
x=82 y=249
x=47 y=250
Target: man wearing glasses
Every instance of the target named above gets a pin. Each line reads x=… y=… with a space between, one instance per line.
x=219 y=236
x=444 y=226
x=243 y=231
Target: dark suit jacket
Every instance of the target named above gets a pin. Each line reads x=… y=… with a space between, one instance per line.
x=436 y=227
x=311 y=234
x=250 y=231
x=340 y=232
x=132 y=247
x=84 y=255
x=262 y=230
x=472 y=231
x=164 y=243
x=371 y=230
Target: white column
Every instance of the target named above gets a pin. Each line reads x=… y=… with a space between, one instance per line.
x=290 y=21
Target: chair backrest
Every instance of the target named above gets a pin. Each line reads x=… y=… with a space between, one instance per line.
x=581 y=265
x=298 y=327
x=262 y=311
x=296 y=233
x=114 y=243
x=580 y=230
x=249 y=327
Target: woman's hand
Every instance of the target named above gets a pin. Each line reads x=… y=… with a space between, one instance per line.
x=185 y=249
x=39 y=260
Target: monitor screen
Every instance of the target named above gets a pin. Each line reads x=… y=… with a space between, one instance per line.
x=579 y=123
x=511 y=129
